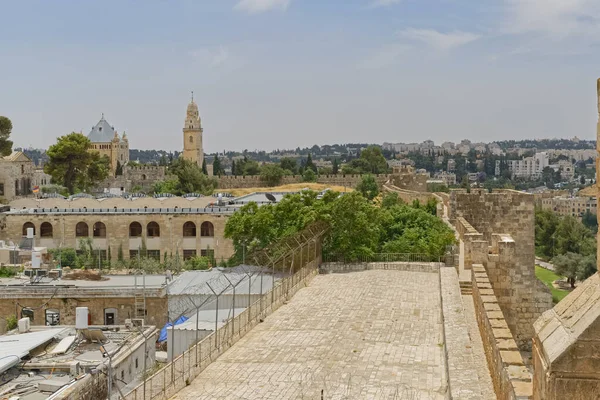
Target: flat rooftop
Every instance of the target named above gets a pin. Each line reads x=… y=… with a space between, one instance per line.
x=370 y=334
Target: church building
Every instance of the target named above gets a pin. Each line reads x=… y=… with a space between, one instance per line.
x=192 y=135
x=106 y=141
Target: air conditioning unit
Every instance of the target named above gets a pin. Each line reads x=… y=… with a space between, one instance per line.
x=24 y=325
x=128 y=324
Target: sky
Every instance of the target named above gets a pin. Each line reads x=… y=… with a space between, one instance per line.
x=269 y=74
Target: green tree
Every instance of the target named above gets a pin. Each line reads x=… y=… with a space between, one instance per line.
x=390 y=199
x=204 y=169
x=271 y=174
x=546 y=223
x=163 y=161
x=233 y=168
x=309 y=175
x=66 y=256
x=371 y=161
x=582 y=179
x=119 y=169
x=572 y=236
x=11 y=322
x=590 y=221
x=189 y=179
x=568 y=265
x=217 y=169
x=290 y=164
x=368 y=187
x=5 y=130
x=309 y=163
x=197 y=263
x=336 y=167
x=72 y=165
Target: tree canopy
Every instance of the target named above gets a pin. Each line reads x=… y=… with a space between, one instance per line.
x=357 y=227
x=371 y=161
x=72 y=165
x=5 y=130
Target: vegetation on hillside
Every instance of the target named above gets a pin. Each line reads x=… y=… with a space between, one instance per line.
x=548 y=278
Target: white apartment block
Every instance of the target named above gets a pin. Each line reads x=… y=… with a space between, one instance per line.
x=529 y=167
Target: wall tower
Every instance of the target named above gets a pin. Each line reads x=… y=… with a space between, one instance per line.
x=192 y=134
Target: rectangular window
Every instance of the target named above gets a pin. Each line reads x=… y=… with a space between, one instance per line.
x=133 y=253
x=187 y=254
x=154 y=254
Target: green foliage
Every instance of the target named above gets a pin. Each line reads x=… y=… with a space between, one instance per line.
x=5 y=130
x=7 y=272
x=197 y=263
x=72 y=165
x=290 y=164
x=217 y=169
x=66 y=255
x=573 y=237
x=233 y=168
x=590 y=221
x=55 y=189
x=120 y=252
x=309 y=176
x=204 y=168
x=187 y=178
x=548 y=277
x=371 y=161
x=119 y=169
x=574 y=266
x=357 y=227
x=246 y=167
x=86 y=258
x=310 y=164
x=546 y=223
x=271 y=174
x=390 y=199
x=11 y=322
x=368 y=187
x=336 y=167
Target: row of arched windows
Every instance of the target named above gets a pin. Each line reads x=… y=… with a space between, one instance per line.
x=207 y=229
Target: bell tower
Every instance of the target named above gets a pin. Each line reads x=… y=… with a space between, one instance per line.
x=192 y=134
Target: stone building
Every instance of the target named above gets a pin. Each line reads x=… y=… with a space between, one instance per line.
x=573 y=206
x=192 y=134
x=17 y=176
x=115 y=228
x=106 y=141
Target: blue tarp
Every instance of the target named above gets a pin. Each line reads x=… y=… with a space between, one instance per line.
x=163 y=331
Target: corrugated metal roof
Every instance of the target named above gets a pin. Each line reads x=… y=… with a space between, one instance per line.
x=15 y=347
x=102 y=132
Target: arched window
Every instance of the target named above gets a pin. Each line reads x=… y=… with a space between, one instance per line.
x=28 y=225
x=153 y=229
x=46 y=230
x=99 y=230
x=189 y=229
x=82 y=230
x=135 y=229
x=191 y=138
x=207 y=229
x=143 y=177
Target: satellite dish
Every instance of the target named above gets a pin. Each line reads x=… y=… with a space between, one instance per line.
x=270 y=197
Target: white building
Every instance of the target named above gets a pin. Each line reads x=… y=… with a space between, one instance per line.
x=529 y=167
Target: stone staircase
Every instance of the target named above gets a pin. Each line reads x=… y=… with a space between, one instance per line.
x=466 y=288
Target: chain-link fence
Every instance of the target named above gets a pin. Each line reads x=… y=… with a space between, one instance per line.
x=283 y=269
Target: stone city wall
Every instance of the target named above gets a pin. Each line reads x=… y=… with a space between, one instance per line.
x=505 y=220
x=232 y=182
x=408 y=196
x=510 y=377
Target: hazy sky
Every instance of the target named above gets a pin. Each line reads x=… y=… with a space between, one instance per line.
x=284 y=73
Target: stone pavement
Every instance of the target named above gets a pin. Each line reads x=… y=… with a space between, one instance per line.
x=374 y=334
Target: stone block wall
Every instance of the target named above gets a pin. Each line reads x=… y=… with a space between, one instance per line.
x=350 y=181
x=510 y=377
x=505 y=220
x=411 y=181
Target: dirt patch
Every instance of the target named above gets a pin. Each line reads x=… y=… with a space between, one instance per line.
x=292 y=187
x=84 y=275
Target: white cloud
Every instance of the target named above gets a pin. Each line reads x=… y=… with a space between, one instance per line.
x=560 y=18
x=384 y=3
x=439 y=40
x=384 y=57
x=213 y=57
x=258 y=6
